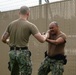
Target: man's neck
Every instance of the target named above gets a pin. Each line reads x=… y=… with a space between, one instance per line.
x=23 y=17
x=56 y=34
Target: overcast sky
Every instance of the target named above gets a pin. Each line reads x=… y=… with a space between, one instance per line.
x=7 y=5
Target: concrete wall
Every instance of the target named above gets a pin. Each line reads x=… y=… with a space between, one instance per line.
x=64 y=13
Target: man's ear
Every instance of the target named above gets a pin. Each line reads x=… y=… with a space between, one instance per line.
x=28 y=14
x=19 y=13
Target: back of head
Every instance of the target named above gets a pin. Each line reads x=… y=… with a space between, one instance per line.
x=24 y=10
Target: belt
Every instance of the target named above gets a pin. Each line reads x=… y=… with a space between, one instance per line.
x=18 y=48
x=58 y=57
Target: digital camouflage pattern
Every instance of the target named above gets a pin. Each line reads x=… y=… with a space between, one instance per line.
x=55 y=66
x=20 y=62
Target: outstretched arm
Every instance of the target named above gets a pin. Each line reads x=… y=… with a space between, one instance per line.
x=41 y=38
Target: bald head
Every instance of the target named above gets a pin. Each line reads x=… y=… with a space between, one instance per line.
x=53 y=23
x=24 y=10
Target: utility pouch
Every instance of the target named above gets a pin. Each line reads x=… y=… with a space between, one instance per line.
x=45 y=54
x=65 y=61
x=29 y=53
x=9 y=67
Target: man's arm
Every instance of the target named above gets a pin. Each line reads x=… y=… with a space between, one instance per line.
x=41 y=38
x=4 y=38
x=57 y=41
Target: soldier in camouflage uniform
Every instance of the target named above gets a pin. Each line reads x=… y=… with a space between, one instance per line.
x=17 y=36
x=54 y=57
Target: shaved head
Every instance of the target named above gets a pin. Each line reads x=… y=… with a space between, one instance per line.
x=24 y=10
x=53 y=23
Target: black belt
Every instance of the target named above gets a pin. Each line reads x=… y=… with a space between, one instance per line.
x=18 y=48
x=59 y=57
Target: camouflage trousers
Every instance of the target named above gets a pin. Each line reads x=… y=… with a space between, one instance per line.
x=20 y=62
x=51 y=65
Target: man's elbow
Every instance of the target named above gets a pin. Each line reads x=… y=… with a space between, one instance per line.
x=4 y=41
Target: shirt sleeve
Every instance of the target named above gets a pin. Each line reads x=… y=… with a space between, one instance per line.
x=34 y=29
x=8 y=29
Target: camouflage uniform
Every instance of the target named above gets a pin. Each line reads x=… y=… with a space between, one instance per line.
x=20 y=62
x=55 y=66
x=18 y=32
